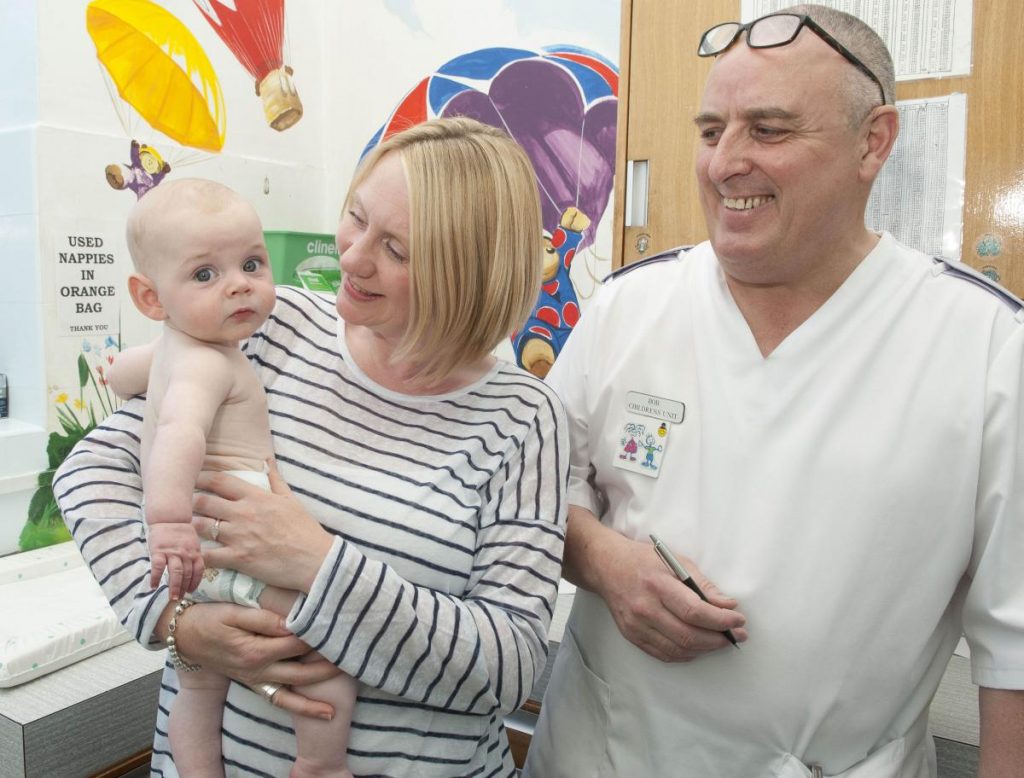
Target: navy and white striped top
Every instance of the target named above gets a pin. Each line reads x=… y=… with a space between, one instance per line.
x=438 y=591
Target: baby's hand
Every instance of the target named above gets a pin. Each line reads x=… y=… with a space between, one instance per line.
x=175 y=547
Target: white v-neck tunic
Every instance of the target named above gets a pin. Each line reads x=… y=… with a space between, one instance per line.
x=853 y=490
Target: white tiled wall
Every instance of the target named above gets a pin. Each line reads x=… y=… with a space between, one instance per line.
x=21 y=350
x=21 y=337
x=18 y=49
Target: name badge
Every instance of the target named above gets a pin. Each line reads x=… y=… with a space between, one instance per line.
x=661 y=408
x=643 y=436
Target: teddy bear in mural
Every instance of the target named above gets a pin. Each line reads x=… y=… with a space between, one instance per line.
x=147 y=169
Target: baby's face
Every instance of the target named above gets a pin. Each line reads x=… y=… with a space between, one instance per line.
x=214 y=279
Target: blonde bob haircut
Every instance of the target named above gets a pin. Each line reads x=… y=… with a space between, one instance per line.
x=475 y=242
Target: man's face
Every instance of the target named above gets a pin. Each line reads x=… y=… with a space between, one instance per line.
x=777 y=165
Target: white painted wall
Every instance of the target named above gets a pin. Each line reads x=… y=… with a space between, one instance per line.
x=281 y=173
x=354 y=60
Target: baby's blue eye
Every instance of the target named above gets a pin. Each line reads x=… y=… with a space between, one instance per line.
x=251 y=265
x=203 y=274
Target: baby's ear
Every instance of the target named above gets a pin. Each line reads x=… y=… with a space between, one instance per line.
x=145 y=297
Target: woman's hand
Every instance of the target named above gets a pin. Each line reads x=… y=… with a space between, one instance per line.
x=267 y=535
x=250 y=646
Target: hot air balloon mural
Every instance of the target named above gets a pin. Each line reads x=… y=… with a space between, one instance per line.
x=559 y=103
x=254 y=31
x=156 y=71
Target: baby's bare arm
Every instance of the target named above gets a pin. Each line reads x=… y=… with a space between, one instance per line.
x=129 y=373
x=198 y=380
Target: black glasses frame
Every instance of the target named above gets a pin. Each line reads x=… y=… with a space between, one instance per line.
x=704 y=48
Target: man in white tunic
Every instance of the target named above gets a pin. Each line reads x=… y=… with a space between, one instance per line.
x=818 y=421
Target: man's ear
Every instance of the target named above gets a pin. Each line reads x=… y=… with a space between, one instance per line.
x=145 y=297
x=883 y=125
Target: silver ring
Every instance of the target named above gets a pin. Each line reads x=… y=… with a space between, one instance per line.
x=215 y=532
x=268 y=690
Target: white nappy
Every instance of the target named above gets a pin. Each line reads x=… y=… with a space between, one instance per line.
x=230 y=585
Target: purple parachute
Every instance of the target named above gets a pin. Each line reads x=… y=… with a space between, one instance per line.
x=558 y=103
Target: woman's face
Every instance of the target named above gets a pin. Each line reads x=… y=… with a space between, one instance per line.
x=373 y=240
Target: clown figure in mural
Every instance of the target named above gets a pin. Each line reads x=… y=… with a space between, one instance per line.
x=146 y=170
x=557 y=310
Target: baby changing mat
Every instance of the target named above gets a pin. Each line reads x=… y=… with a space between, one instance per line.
x=54 y=614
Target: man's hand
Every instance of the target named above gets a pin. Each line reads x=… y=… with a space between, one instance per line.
x=651 y=607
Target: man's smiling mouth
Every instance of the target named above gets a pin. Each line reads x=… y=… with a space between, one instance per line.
x=745 y=203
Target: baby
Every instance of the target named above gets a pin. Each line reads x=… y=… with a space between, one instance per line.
x=201 y=267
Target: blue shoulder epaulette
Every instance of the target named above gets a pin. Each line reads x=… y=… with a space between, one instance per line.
x=967 y=273
x=661 y=257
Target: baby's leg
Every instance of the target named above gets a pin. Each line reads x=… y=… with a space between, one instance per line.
x=195 y=722
x=321 y=745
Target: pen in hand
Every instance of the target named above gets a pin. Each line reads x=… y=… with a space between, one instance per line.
x=680 y=572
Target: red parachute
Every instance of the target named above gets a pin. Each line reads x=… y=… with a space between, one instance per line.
x=254 y=31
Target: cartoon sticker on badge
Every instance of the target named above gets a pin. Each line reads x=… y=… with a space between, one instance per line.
x=650 y=449
x=629 y=444
x=643 y=437
x=642 y=446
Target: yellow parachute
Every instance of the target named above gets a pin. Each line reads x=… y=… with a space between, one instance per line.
x=160 y=70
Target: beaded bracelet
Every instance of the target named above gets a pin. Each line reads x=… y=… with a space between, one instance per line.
x=172 y=644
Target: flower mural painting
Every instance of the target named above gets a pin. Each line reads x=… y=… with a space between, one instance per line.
x=560 y=104
x=254 y=32
x=156 y=72
x=77 y=416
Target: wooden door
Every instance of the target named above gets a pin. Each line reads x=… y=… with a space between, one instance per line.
x=660 y=88
x=994 y=170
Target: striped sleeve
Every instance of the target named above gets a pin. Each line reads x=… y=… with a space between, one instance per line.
x=479 y=652
x=99 y=491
